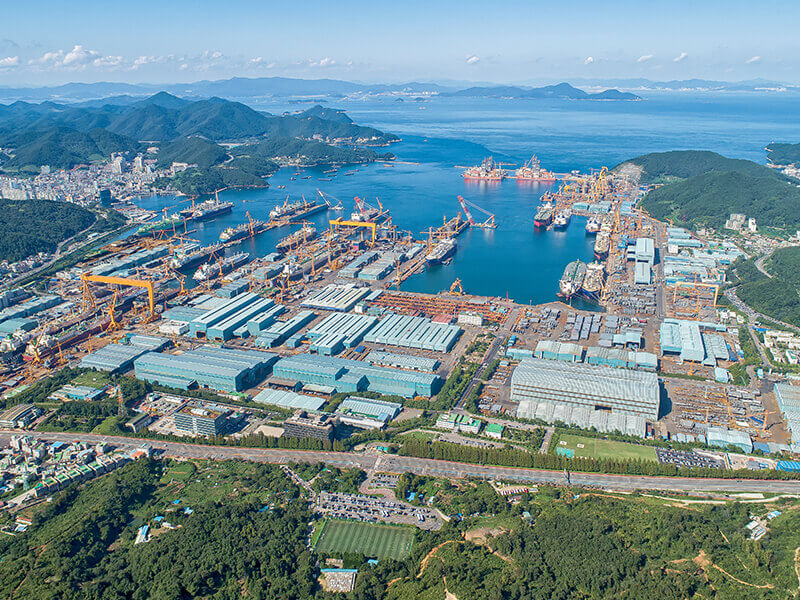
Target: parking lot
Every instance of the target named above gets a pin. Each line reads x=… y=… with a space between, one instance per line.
x=681 y=458
x=367 y=509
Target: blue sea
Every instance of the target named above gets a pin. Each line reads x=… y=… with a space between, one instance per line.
x=439 y=134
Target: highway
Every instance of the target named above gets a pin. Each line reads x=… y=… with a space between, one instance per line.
x=423 y=466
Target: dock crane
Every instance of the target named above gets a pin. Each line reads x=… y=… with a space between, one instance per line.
x=487 y=224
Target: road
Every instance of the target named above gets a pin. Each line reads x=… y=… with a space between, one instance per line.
x=497 y=343
x=423 y=466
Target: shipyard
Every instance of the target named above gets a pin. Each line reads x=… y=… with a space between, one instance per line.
x=325 y=312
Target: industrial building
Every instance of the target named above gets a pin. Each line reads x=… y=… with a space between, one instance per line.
x=339 y=331
x=244 y=315
x=200 y=421
x=336 y=297
x=458 y=423
x=82 y=393
x=281 y=331
x=722 y=437
x=414 y=332
x=366 y=413
x=788 y=397
x=583 y=417
x=352 y=269
x=381 y=267
x=562 y=351
x=20 y=415
x=691 y=343
x=309 y=425
x=343 y=375
x=220 y=369
x=596 y=388
x=119 y=357
x=288 y=399
x=623 y=359
x=402 y=361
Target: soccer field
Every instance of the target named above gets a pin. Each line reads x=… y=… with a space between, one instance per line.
x=381 y=541
x=588 y=447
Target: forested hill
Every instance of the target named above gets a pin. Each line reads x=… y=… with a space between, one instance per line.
x=703 y=188
x=32 y=226
x=664 y=167
x=63 y=136
x=783 y=154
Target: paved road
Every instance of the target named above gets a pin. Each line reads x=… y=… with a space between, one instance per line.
x=438 y=468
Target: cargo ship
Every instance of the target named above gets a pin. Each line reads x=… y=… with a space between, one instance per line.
x=593 y=282
x=572 y=279
x=226 y=265
x=601 y=246
x=592 y=226
x=533 y=171
x=488 y=170
x=206 y=210
x=193 y=255
x=543 y=217
x=562 y=219
x=296 y=210
x=165 y=224
x=307 y=232
x=442 y=251
x=251 y=228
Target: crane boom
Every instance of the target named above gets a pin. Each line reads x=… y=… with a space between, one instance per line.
x=463 y=204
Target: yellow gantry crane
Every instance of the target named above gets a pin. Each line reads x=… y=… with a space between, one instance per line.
x=88 y=297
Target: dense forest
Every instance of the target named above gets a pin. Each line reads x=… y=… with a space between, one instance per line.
x=701 y=189
x=246 y=537
x=31 y=226
x=776 y=297
x=62 y=148
x=783 y=154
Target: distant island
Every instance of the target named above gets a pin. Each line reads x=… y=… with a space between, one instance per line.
x=561 y=91
x=189 y=132
x=701 y=189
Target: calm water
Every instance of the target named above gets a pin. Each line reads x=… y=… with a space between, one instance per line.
x=511 y=260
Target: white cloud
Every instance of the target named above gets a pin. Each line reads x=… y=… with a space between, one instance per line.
x=108 y=61
x=9 y=62
x=183 y=67
x=472 y=59
x=644 y=58
x=682 y=56
x=589 y=60
x=79 y=56
x=752 y=59
x=259 y=61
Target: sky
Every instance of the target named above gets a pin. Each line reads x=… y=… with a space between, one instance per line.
x=43 y=42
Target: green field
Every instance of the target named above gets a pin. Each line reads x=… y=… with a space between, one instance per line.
x=92 y=379
x=381 y=541
x=588 y=447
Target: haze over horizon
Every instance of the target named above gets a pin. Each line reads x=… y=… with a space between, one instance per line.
x=514 y=42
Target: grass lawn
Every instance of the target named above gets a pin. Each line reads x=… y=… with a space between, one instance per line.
x=589 y=447
x=92 y=379
x=381 y=541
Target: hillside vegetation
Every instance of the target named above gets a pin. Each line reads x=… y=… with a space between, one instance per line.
x=783 y=154
x=31 y=226
x=776 y=297
x=186 y=131
x=701 y=189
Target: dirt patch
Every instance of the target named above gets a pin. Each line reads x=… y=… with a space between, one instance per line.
x=482 y=534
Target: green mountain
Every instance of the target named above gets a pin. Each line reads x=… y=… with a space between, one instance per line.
x=192 y=150
x=661 y=167
x=707 y=200
x=783 y=154
x=33 y=226
x=700 y=188
x=63 y=148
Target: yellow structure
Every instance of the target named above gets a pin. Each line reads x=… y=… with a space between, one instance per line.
x=124 y=281
x=337 y=223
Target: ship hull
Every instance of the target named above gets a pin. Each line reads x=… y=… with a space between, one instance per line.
x=213 y=213
x=593 y=296
x=601 y=255
x=525 y=179
x=437 y=260
x=482 y=178
x=542 y=223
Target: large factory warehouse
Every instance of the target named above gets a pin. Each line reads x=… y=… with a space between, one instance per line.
x=602 y=389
